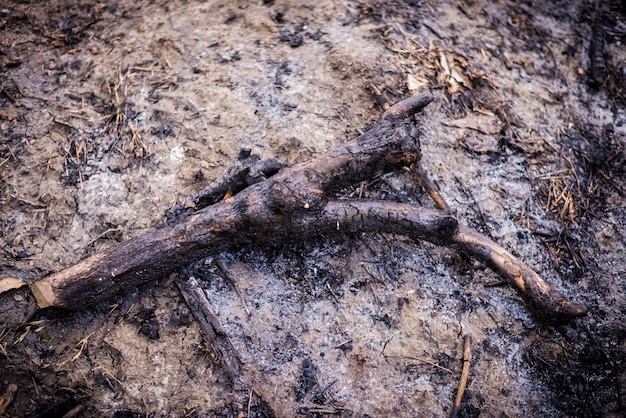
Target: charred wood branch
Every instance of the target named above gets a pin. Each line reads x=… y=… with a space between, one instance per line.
x=294 y=203
x=247 y=170
x=211 y=328
x=217 y=338
x=597 y=59
x=547 y=303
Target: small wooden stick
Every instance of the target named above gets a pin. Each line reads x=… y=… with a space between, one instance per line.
x=249 y=402
x=467 y=358
x=421 y=360
x=212 y=330
x=75 y=412
x=546 y=302
x=220 y=343
x=429 y=186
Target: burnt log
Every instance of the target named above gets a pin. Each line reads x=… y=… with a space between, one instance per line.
x=295 y=203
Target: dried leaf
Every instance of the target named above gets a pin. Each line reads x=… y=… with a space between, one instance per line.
x=9 y=283
x=415 y=84
x=454 y=87
x=459 y=77
x=443 y=61
x=444 y=75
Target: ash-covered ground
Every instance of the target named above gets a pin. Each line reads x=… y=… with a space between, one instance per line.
x=112 y=112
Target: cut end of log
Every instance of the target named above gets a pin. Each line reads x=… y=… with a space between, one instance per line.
x=44 y=294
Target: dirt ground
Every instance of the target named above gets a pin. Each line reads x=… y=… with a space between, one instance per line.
x=112 y=112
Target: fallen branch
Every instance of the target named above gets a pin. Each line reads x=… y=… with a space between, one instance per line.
x=211 y=328
x=467 y=358
x=219 y=342
x=295 y=203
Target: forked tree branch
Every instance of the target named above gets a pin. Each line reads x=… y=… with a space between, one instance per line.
x=295 y=203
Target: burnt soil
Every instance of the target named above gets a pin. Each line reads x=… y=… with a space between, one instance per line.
x=112 y=112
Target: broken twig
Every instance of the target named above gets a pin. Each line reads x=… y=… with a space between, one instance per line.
x=212 y=330
x=467 y=358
